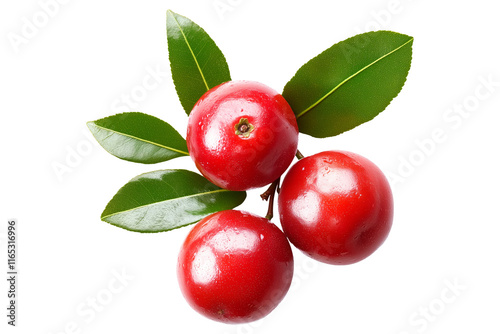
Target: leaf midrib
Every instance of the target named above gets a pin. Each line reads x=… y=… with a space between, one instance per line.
x=164 y=201
x=140 y=139
x=349 y=78
x=190 y=50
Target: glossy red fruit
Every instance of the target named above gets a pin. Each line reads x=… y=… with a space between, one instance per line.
x=336 y=207
x=242 y=135
x=235 y=267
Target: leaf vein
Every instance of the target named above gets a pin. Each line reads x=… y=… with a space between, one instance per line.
x=192 y=53
x=349 y=78
x=167 y=200
x=141 y=139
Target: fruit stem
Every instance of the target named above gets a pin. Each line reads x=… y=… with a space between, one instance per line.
x=299 y=155
x=268 y=195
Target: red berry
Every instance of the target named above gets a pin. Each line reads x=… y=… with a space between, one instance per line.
x=242 y=135
x=336 y=207
x=235 y=267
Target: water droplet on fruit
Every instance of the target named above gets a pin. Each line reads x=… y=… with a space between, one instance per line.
x=327 y=162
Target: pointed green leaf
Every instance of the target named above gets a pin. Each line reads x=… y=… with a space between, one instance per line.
x=196 y=62
x=167 y=199
x=138 y=137
x=349 y=83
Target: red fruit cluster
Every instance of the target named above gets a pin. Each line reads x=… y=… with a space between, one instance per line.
x=334 y=206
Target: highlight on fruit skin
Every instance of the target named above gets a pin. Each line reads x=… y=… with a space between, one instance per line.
x=235 y=267
x=336 y=207
x=242 y=135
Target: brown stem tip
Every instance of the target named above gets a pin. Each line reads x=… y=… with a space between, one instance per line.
x=269 y=195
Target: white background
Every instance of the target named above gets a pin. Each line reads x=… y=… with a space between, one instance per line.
x=76 y=66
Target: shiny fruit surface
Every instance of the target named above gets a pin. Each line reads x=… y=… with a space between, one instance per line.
x=242 y=135
x=235 y=267
x=336 y=207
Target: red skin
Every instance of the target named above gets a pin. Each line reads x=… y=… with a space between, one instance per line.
x=336 y=207
x=235 y=267
x=235 y=161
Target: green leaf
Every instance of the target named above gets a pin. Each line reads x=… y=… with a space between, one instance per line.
x=138 y=137
x=350 y=83
x=167 y=199
x=196 y=62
